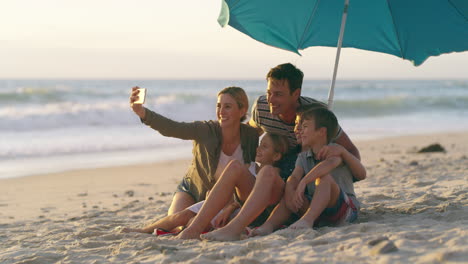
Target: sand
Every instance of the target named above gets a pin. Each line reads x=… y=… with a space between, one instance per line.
x=414 y=210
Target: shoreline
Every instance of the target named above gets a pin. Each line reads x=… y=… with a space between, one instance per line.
x=86 y=161
x=415 y=203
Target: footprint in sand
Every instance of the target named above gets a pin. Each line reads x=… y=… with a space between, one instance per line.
x=48 y=209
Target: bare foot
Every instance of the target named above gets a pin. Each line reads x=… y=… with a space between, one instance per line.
x=189 y=233
x=222 y=234
x=262 y=230
x=301 y=224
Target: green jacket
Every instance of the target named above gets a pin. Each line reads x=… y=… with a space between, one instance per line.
x=207 y=141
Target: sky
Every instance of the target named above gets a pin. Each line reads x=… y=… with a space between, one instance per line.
x=155 y=39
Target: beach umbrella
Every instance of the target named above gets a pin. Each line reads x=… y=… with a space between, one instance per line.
x=411 y=29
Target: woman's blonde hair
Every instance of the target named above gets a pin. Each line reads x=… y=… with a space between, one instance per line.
x=239 y=96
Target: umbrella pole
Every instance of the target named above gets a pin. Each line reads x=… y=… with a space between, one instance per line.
x=331 y=93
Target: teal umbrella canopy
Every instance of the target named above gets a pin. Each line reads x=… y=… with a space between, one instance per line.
x=411 y=29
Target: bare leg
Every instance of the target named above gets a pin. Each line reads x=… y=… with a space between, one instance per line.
x=268 y=190
x=180 y=201
x=235 y=177
x=167 y=223
x=325 y=196
x=279 y=216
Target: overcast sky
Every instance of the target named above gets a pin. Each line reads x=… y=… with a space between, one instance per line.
x=117 y=39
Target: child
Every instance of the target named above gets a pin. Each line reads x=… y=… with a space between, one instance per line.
x=320 y=169
x=271 y=149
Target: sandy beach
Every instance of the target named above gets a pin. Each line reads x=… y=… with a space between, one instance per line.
x=414 y=210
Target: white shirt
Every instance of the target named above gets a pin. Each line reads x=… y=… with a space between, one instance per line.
x=225 y=159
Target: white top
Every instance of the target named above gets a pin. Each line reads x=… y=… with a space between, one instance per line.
x=253 y=168
x=225 y=159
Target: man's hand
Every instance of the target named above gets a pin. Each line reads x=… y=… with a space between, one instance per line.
x=330 y=151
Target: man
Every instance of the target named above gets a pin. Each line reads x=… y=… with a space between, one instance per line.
x=276 y=111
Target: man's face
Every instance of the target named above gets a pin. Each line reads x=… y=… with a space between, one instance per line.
x=279 y=97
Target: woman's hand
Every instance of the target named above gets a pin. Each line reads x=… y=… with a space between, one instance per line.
x=222 y=218
x=299 y=197
x=137 y=108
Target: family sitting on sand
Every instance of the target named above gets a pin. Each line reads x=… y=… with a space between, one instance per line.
x=302 y=172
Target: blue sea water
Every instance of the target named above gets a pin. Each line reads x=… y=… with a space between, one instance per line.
x=54 y=125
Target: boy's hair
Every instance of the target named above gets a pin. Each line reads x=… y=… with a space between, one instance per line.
x=288 y=72
x=313 y=105
x=323 y=118
x=239 y=96
x=280 y=145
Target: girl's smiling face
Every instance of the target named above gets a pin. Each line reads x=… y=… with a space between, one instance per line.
x=266 y=154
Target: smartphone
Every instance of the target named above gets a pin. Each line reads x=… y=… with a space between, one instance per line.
x=141 y=96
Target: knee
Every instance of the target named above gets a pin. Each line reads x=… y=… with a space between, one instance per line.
x=234 y=165
x=326 y=181
x=268 y=172
x=232 y=168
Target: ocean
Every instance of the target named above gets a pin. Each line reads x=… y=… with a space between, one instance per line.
x=56 y=125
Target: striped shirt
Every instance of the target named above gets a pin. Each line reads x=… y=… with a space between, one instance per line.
x=273 y=124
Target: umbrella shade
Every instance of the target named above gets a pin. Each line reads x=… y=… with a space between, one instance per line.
x=411 y=29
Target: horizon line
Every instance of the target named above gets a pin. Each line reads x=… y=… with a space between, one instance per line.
x=220 y=79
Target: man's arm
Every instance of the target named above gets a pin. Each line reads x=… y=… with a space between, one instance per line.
x=354 y=164
x=253 y=124
x=346 y=142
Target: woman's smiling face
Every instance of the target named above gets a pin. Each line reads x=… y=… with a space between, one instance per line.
x=228 y=111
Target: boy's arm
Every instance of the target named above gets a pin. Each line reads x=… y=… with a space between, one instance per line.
x=354 y=164
x=322 y=169
x=290 y=189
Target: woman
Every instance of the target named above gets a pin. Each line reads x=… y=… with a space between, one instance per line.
x=215 y=143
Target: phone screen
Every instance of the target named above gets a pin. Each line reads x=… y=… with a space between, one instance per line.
x=141 y=96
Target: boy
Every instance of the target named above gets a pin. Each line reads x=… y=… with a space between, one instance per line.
x=322 y=171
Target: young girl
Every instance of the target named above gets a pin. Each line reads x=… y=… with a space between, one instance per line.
x=237 y=178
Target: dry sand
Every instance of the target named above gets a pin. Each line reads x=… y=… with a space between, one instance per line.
x=414 y=210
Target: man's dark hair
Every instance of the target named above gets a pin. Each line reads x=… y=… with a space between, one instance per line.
x=288 y=72
x=323 y=118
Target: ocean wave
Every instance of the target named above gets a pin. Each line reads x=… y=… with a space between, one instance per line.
x=67 y=141
x=394 y=105
x=110 y=113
